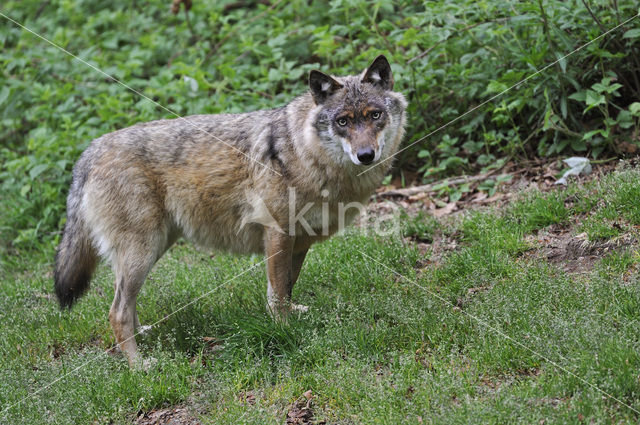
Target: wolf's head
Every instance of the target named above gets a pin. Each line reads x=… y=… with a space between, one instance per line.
x=357 y=115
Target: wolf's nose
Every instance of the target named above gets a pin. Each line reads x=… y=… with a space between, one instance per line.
x=366 y=155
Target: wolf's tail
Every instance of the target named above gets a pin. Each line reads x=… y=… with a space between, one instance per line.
x=76 y=260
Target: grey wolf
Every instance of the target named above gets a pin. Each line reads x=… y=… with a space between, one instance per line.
x=135 y=191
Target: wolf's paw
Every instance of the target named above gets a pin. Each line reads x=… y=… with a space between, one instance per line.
x=149 y=363
x=143 y=364
x=276 y=313
x=280 y=315
x=146 y=364
x=299 y=308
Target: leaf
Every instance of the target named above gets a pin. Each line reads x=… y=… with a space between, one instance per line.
x=37 y=170
x=62 y=164
x=613 y=87
x=487 y=185
x=25 y=189
x=594 y=99
x=485 y=159
x=472 y=146
x=632 y=33
x=495 y=87
x=634 y=108
x=111 y=43
x=562 y=61
x=452 y=162
x=563 y=106
x=504 y=178
x=580 y=96
x=4 y=94
x=625 y=119
x=578 y=145
x=589 y=134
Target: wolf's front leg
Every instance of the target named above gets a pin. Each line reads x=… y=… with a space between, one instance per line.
x=279 y=251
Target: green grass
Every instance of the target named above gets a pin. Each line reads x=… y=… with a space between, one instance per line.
x=445 y=343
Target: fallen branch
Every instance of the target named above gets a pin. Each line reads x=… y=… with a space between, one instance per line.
x=410 y=191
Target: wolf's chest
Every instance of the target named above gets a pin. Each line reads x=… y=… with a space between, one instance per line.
x=324 y=217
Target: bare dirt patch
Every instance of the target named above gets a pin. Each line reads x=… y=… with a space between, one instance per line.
x=574 y=253
x=301 y=411
x=248 y=397
x=170 y=416
x=432 y=253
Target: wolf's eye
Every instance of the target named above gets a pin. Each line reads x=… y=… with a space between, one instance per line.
x=375 y=115
x=342 y=122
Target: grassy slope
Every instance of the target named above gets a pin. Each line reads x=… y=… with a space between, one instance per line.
x=375 y=347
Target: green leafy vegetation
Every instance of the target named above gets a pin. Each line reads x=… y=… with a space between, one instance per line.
x=448 y=58
x=420 y=228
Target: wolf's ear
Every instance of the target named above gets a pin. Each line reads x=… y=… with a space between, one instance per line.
x=322 y=86
x=379 y=73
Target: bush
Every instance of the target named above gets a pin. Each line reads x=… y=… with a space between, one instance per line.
x=447 y=58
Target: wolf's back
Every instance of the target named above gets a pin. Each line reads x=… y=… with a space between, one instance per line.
x=76 y=258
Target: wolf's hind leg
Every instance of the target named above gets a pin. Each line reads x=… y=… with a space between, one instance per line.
x=131 y=266
x=131 y=269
